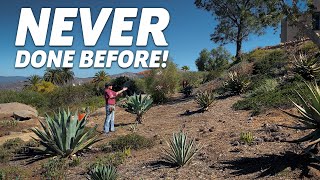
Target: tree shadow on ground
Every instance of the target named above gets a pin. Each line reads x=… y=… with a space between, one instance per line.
x=124 y=124
x=30 y=155
x=155 y=165
x=270 y=165
x=189 y=113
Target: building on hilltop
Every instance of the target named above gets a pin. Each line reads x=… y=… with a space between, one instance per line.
x=291 y=33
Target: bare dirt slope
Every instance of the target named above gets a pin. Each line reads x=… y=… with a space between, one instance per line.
x=222 y=155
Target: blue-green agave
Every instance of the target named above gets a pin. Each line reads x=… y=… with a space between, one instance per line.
x=103 y=172
x=138 y=105
x=309 y=109
x=64 y=135
x=181 y=150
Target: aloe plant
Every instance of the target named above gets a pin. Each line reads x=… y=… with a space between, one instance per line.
x=102 y=172
x=138 y=105
x=181 y=150
x=309 y=109
x=307 y=67
x=236 y=83
x=205 y=99
x=63 y=135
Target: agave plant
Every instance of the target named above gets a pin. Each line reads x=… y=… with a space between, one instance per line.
x=236 y=84
x=309 y=109
x=102 y=172
x=307 y=67
x=205 y=99
x=63 y=135
x=181 y=150
x=138 y=105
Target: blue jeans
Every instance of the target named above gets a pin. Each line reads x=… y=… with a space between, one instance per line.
x=109 y=122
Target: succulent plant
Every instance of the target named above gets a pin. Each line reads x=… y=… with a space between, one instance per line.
x=309 y=109
x=102 y=172
x=181 y=150
x=63 y=135
x=246 y=137
x=236 y=84
x=205 y=99
x=138 y=105
x=307 y=67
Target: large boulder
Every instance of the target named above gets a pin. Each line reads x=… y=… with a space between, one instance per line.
x=17 y=110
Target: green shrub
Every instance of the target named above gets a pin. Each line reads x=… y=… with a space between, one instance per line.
x=181 y=150
x=141 y=85
x=257 y=55
x=123 y=81
x=132 y=141
x=236 y=83
x=137 y=105
x=54 y=168
x=8 y=123
x=64 y=135
x=112 y=159
x=266 y=86
x=32 y=98
x=104 y=172
x=13 y=172
x=212 y=75
x=279 y=98
x=66 y=96
x=205 y=99
x=5 y=155
x=162 y=82
x=75 y=162
x=272 y=64
x=194 y=79
x=246 y=137
x=308 y=48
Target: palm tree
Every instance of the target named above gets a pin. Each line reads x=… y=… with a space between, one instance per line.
x=100 y=76
x=54 y=76
x=67 y=75
x=185 y=68
x=32 y=81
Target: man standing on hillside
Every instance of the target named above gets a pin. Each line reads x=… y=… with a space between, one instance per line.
x=110 y=97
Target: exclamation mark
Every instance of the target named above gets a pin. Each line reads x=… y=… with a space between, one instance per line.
x=164 y=58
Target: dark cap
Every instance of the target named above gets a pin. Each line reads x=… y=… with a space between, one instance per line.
x=107 y=84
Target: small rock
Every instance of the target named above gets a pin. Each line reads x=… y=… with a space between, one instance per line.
x=23 y=115
x=235 y=143
x=271 y=127
x=236 y=150
x=258 y=141
x=211 y=129
x=233 y=134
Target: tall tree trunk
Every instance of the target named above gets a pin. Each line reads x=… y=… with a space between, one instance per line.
x=239 y=43
x=238 y=53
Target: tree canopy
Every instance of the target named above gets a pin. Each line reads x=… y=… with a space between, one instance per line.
x=237 y=19
x=214 y=60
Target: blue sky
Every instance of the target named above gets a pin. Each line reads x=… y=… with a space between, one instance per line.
x=187 y=34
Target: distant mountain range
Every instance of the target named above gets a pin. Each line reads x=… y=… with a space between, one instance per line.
x=18 y=82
